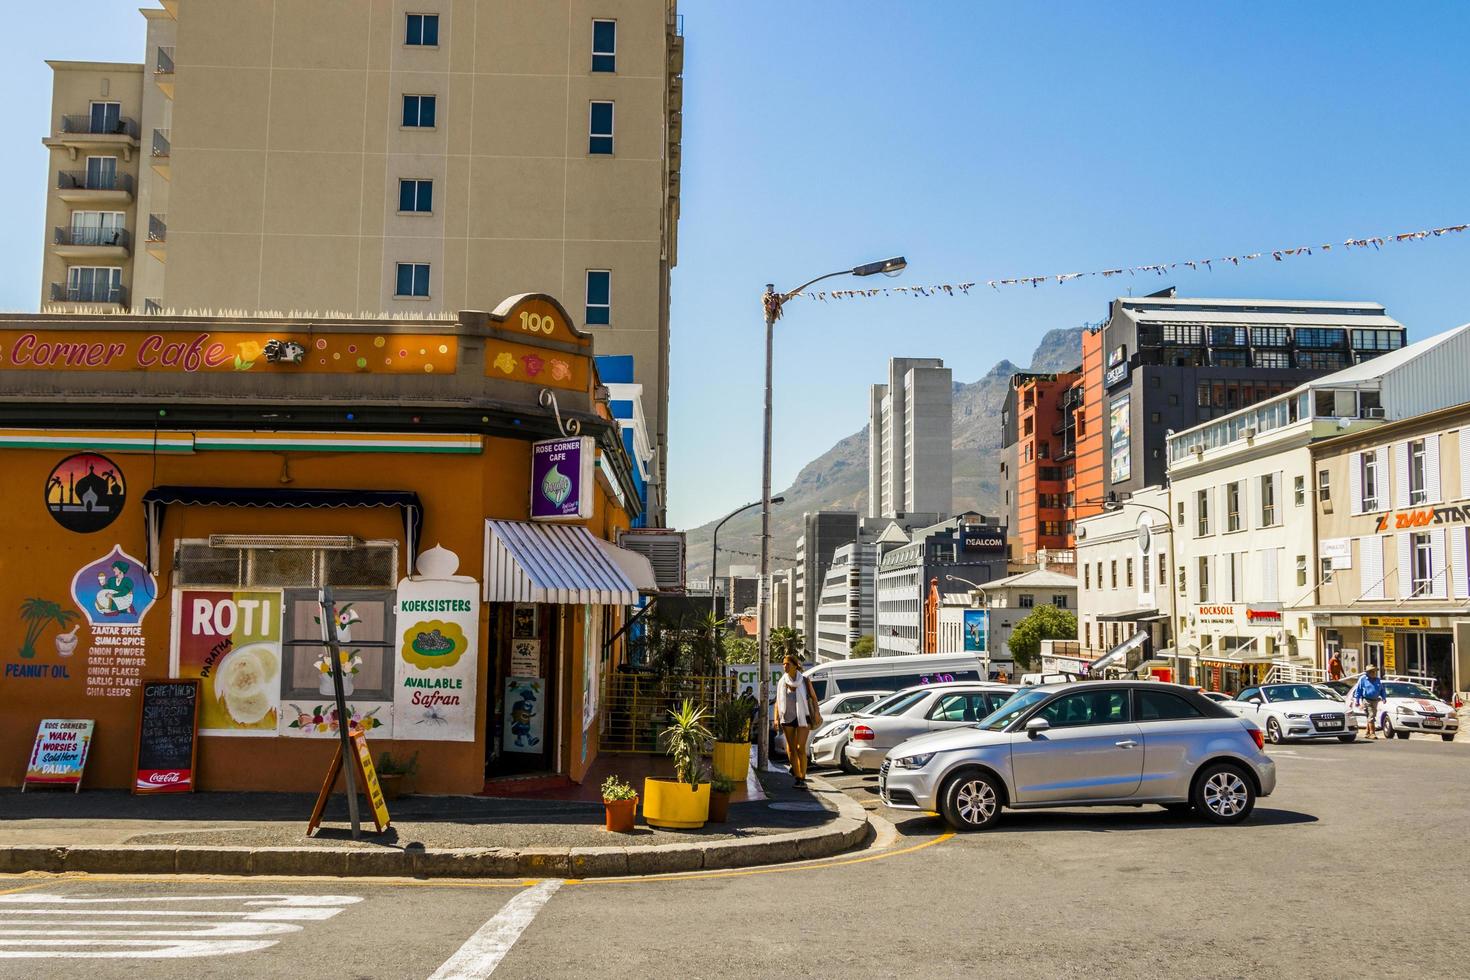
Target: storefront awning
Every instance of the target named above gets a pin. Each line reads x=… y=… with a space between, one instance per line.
x=552 y=563
x=157 y=500
x=1133 y=616
x=636 y=567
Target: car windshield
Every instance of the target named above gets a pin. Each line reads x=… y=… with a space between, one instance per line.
x=1399 y=690
x=897 y=705
x=1329 y=694
x=1291 y=692
x=1014 y=706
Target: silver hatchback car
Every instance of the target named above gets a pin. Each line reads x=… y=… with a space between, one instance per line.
x=1089 y=743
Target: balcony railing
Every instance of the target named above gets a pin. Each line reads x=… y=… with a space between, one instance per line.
x=101 y=237
x=82 y=180
x=165 y=63
x=96 y=127
x=161 y=146
x=157 y=228
x=63 y=293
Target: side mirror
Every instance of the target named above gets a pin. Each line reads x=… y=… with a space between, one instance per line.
x=1036 y=726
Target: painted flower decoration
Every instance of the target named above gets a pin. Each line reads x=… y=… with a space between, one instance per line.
x=533 y=364
x=506 y=363
x=250 y=350
x=350 y=663
x=560 y=370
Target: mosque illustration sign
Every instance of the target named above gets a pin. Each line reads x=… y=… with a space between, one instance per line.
x=85 y=492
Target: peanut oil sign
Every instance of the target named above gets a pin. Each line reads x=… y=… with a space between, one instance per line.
x=438 y=651
x=231 y=642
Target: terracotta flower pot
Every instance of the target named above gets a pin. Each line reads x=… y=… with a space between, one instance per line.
x=621 y=814
x=719 y=806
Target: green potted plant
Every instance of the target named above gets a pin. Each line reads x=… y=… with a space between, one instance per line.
x=681 y=802
x=720 y=788
x=394 y=776
x=620 y=803
x=732 y=740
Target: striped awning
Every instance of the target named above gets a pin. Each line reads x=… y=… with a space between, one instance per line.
x=551 y=563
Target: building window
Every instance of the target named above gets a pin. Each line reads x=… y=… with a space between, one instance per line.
x=1299 y=491
x=1273 y=359
x=1232 y=506
x=1301 y=571
x=413 y=279
x=599 y=297
x=1268 y=500
x=94 y=284
x=1145 y=570
x=1270 y=336
x=1422 y=565
x=1418 y=492
x=1204 y=579
x=600 y=128
x=1163 y=571
x=1202 y=504
x=102 y=173
x=1369 y=463
x=604 y=45
x=1320 y=338
x=1155 y=417
x=1321 y=360
x=1099 y=575
x=1086 y=576
x=1128 y=572
x=1027 y=600
x=1189 y=334
x=1324 y=570
x=423 y=30
x=1060 y=601
x=418 y=111
x=416 y=196
x=1115 y=572
x=106 y=117
x=1179 y=520
x=1377 y=340
x=1324 y=487
x=1183 y=583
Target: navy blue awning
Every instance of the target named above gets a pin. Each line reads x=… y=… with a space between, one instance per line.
x=157 y=500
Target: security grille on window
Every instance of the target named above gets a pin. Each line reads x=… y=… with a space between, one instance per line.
x=604 y=45
x=600 y=128
x=368 y=565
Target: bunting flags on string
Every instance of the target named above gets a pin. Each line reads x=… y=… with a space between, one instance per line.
x=1160 y=268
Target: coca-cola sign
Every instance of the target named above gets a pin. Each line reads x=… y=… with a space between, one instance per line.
x=162 y=777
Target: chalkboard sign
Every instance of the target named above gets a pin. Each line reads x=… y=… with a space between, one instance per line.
x=168 y=728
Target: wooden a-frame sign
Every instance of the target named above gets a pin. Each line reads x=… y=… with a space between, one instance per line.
x=367 y=775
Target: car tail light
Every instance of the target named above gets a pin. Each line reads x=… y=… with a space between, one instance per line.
x=862 y=733
x=1260 y=739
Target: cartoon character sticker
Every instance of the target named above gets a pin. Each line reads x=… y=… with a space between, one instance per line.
x=525 y=717
x=116 y=590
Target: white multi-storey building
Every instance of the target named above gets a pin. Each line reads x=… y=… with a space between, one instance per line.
x=910 y=439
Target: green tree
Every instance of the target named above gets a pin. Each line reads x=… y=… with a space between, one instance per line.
x=741 y=650
x=862 y=648
x=1044 y=623
x=786 y=642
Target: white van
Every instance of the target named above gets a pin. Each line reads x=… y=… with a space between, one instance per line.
x=894 y=673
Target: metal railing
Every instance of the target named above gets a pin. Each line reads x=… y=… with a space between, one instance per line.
x=636 y=706
x=161 y=146
x=101 y=237
x=87 y=125
x=81 y=180
x=63 y=293
x=157 y=228
x=165 y=63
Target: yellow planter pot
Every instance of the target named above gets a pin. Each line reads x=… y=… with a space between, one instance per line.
x=667 y=803
x=732 y=760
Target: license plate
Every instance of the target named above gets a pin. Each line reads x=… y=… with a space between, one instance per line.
x=1433 y=723
x=1329 y=725
x=882 y=785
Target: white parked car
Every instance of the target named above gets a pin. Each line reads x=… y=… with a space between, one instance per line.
x=1360 y=717
x=930 y=708
x=1410 y=708
x=1286 y=711
x=824 y=747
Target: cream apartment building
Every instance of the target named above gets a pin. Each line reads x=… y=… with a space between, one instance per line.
x=1124 y=573
x=379 y=156
x=1243 y=488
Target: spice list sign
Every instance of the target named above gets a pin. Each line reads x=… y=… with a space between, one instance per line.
x=562 y=479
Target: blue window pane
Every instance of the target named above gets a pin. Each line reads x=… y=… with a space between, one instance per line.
x=431 y=30
x=421 y=280
x=405 y=279
x=599 y=316
x=602 y=118
x=604 y=45
x=604 y=62
x=600 y=144
x=426 y=195
x=410 y=110
x=415 y=29
x=426 y=110
x=599 y=285
x=406 y=195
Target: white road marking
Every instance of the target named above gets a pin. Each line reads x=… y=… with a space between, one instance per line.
x=49 y=926
x=482 y=952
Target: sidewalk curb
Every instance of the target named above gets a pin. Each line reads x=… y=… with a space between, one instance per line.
x=847 y=831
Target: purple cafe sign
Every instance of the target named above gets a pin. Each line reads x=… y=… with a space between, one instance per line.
x=561 y=479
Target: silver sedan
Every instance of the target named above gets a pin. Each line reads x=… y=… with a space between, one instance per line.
x=1086 y=744
x=929 y=708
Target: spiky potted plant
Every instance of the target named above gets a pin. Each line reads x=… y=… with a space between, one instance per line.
x=681 y=802
x=720 y=789
x=620 y=803
x=731 y=757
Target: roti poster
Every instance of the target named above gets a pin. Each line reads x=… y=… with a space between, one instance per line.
x=231 y=642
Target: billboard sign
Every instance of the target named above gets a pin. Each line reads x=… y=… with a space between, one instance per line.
x=977 y=630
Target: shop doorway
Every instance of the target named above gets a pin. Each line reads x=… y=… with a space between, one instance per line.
x=525 y=661
x=1429 y=655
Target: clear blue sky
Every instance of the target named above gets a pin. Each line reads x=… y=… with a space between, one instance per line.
x=982 y=140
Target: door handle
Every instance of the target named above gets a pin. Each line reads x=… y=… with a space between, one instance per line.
x=1127 y=743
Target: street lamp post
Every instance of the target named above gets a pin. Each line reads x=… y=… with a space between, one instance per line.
x=1113 y=504
x=771 y=303
x=714 y=558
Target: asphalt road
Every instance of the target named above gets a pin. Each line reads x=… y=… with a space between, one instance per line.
x=1354 y=867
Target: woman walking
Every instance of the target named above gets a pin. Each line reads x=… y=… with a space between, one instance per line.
x=796 y=713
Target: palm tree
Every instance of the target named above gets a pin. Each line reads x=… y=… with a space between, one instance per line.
x=38 y=614
x=786 y=642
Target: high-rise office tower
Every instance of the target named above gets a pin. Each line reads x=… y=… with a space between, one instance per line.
x=910 y=439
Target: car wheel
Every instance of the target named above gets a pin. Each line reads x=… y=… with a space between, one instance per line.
x=1448 y=738
x=1223 y=794
x=971 y=801
x=1273 y=731
x=1387 y=728
x=1402 y=734
x=1347 y=738
x=846 y=766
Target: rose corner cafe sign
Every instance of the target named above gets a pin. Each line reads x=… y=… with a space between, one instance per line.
x=562 y=473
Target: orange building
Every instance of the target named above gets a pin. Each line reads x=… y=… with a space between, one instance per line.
x=1039 y=421
x=183 y=489
x=1088 y=482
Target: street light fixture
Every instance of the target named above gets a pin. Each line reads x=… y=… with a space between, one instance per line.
x=714 y=559
x=772 y=303
x=1113 y=504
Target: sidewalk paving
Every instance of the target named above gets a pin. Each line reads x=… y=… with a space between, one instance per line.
x=471 y=836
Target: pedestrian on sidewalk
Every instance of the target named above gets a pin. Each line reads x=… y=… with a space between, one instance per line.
x=1334 y=667
x=1369 y=694
x=796 y=713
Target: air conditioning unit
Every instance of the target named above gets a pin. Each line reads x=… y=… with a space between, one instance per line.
x=664 y=549
x=1375 y=413
x=1250 y=433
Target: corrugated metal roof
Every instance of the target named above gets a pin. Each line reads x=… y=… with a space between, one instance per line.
x=551 y=563
x=1345 y=318
x=1376 y=368
x=1037 y=578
